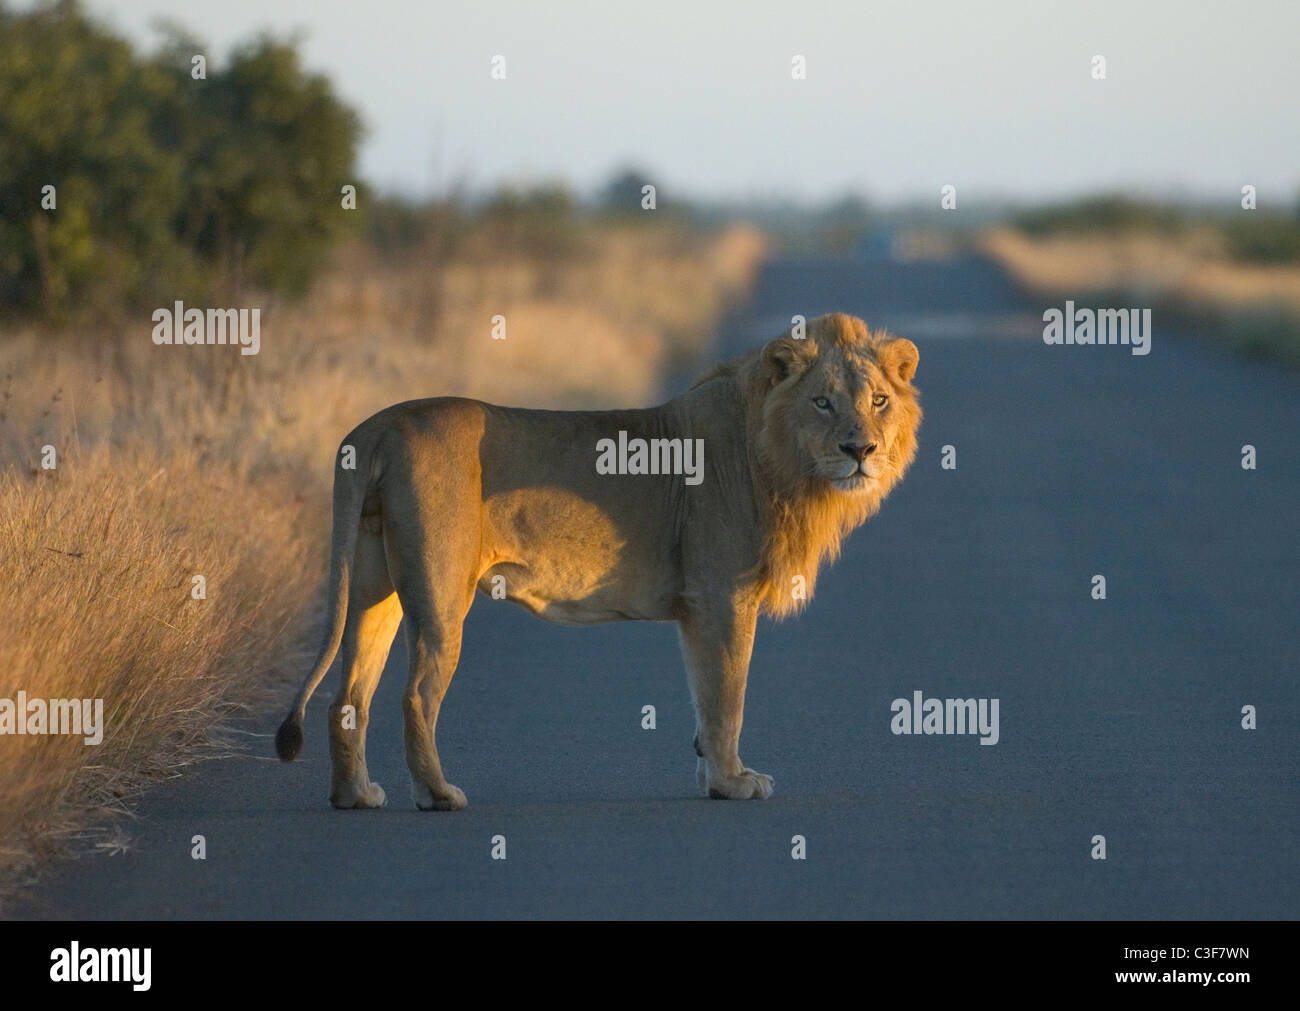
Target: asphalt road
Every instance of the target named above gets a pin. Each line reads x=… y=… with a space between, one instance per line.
x=1118 y=717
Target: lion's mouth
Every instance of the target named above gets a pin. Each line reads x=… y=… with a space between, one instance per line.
x=856 y=481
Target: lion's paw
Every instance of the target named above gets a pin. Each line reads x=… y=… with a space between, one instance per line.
x=371 y=795
x=749 y=785
x=447 y=798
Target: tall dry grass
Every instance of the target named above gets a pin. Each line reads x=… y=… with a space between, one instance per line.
x=97 y=562
x=174 y=462
x=1253 y=306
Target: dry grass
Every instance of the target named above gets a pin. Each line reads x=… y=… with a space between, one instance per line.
x=183 y=461
x=98 y=559
x=1253 y=306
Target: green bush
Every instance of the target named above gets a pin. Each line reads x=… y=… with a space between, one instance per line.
x=165 y=186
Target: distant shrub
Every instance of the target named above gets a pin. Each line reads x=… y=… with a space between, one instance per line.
x=539 y=222
x=1248 y=236
x=1100 y=213
x=1263 y=238
x=624 y=192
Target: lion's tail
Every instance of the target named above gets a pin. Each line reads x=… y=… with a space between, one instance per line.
x=351 y=485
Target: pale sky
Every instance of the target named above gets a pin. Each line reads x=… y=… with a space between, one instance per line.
x=900 y=99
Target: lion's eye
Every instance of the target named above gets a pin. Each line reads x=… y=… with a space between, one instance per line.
x=880 y=399
x=822 y=403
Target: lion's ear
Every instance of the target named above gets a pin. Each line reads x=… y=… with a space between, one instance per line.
x=788 y=356
x=899 y=357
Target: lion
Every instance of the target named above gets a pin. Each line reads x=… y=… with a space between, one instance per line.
x=799 y=443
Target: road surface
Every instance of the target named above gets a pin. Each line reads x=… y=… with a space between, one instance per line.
x=1118 y=717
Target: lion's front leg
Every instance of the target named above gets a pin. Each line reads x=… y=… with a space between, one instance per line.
x=717 y=640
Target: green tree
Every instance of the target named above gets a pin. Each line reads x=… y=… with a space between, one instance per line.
x=269 y=151
x=164 y=186
x=77 y=113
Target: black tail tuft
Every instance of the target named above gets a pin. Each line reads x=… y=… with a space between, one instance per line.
x=288 y=739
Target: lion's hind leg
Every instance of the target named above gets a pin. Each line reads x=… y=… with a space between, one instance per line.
x=436 y=583
x=434 y=652
x=374 y=613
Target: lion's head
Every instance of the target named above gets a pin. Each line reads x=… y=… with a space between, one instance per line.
x=840 y=411
x=833 y=418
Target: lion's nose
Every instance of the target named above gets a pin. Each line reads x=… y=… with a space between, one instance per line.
x=858 y=452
